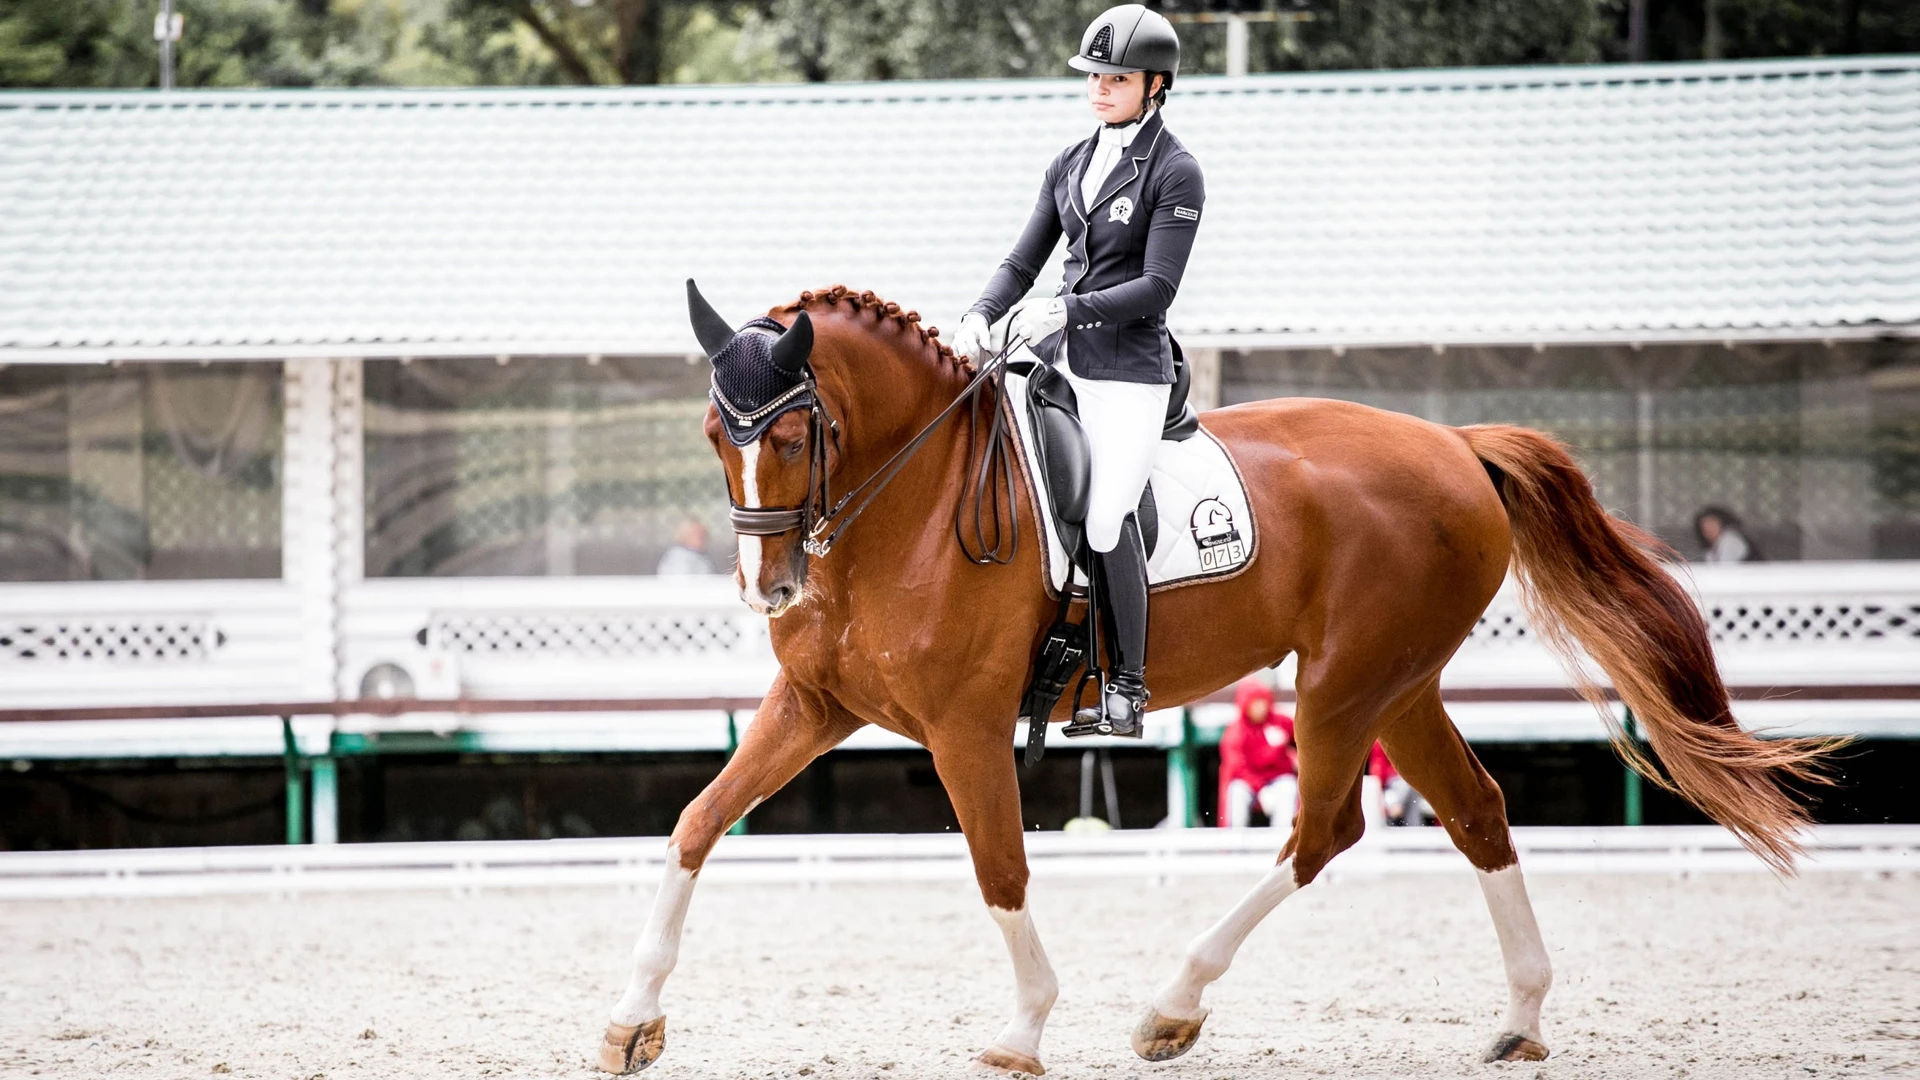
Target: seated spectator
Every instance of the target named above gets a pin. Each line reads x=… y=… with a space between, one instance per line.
x=688 y=555
x=1724 y=537
x=1257 y=761
x=1402 y=804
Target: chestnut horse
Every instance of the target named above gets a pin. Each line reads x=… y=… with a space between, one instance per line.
x=1382 y=538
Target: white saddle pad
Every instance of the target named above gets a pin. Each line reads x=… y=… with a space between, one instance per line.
x=1206 y=525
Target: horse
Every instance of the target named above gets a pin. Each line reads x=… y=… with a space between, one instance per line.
x=1381 y=540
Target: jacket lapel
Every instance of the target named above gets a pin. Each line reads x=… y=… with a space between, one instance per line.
x=1079 y=173
x=1140 y=151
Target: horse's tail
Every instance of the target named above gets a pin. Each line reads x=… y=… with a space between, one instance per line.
x=1590 y=580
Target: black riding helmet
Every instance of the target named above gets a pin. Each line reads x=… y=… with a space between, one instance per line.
x=1129 y=38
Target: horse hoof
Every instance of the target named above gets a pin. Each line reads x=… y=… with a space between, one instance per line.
x=1516 y=1048
x=1000 y=1061
x=630 y=1049
x=1162 y=1038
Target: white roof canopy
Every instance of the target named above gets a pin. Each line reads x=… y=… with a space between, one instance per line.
x=1742 y=200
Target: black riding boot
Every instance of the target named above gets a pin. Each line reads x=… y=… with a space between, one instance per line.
x=1123 y=589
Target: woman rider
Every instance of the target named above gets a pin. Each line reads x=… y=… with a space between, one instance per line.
x=1128 y=200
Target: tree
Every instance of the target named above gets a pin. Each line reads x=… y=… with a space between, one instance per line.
x=108 y=43
x=612 y=41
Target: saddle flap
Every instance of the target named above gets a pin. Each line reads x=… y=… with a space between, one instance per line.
x=1065 y=455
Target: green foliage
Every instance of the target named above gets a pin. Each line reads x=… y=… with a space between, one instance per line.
x=921 y=39
x=80 y=43
x=107 y=43
x=1452 y=33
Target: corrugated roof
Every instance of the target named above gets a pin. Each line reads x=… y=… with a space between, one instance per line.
x=1491 y=205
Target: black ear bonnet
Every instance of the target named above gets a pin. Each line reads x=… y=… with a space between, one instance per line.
x=760 y=372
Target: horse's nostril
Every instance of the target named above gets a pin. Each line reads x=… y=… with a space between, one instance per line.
x=780 y=595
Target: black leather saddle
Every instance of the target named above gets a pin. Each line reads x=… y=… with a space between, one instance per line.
x=1064 y=457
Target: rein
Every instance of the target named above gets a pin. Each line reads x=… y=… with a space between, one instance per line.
x=821 y=517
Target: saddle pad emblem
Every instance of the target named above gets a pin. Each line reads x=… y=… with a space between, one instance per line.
x=1121 y=210
x=1221 y=547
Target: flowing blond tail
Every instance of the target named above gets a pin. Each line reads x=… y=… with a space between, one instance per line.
x=1592 y=581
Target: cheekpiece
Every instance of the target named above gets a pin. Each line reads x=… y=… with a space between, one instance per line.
x=749 y=389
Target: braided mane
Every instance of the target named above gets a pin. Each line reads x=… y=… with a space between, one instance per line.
x=936 y=351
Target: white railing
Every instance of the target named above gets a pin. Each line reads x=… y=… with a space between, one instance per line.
x=156 y=642
x=557 y=637
x=1787 y=623
x=1157 y=855
x=97 y=643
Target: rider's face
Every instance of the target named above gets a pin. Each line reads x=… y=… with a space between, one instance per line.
x=1117 y=98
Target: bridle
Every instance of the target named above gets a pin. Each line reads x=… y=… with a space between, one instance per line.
x=823 y=519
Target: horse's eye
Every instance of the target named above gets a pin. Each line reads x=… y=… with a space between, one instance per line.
x=791 y=451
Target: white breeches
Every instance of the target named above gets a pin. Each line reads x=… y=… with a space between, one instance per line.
x=1123 y=422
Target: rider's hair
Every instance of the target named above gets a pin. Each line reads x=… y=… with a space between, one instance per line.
x=834 y=295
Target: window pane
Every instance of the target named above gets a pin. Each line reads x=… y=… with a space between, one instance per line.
x=554 y=466
x=149 y=471
x=1814 y=450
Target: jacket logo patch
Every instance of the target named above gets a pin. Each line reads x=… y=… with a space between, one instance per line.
x=1121 y=210
x=1187 y=212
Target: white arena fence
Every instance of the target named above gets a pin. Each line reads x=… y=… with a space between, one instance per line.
x=1154 y=855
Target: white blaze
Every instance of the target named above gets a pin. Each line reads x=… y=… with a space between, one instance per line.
x=1529 y=973
x=1035 y=987
x=750 y=546
x=659 y=946
x=1210 y=954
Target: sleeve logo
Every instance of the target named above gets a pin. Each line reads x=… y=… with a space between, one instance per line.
x=1187 y=213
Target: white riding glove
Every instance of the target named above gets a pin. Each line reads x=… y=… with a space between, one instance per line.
x=974 y=340
x=1040 y=320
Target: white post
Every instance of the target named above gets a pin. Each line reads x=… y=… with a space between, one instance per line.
x=1236 y=44
x=1203 y=368
x=166 y=31
x=307 y=517
x=348 y=531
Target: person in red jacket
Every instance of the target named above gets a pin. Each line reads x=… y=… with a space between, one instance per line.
x=1257 y=760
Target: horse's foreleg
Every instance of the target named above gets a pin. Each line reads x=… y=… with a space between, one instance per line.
x=1429 y=752
x=786 y=734
x=979 y=778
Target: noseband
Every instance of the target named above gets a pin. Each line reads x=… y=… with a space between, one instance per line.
x=819 y=516
x=774 y=520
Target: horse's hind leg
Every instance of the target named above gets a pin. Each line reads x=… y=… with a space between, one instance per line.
x=788 y=732
x=1329 y=822
x=1430 y=753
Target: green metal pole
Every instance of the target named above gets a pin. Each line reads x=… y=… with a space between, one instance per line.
x=296 y=786
x=326 y=800
x=733 y=743
x=1186 y=760
x=1636 y=811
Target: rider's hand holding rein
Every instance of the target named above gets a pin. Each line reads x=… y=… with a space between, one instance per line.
x=974 y=340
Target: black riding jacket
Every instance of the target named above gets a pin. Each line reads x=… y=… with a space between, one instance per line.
x=1125 y=255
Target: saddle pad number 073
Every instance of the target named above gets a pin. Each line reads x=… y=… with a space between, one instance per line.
x=1206 y=524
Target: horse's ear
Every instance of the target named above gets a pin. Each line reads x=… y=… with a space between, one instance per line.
x=791 y=351
x=712 y=330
